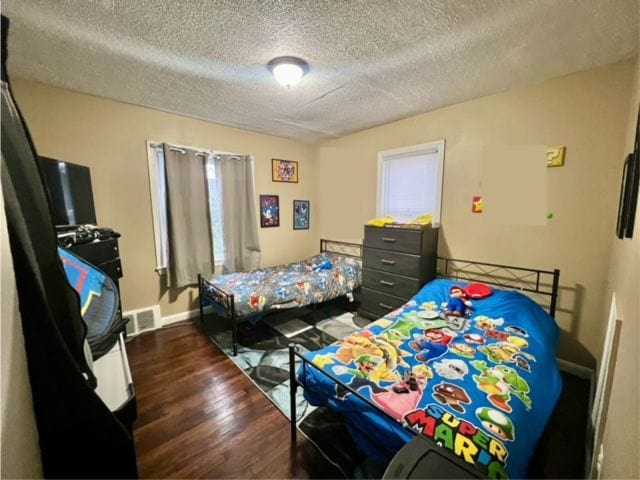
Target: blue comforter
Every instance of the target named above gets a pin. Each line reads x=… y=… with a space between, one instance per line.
x=314 y=280
x=483 y=387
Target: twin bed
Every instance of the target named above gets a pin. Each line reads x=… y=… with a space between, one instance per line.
x=481 y=387
x=246 y=296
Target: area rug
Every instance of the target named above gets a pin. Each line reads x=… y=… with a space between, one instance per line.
x=263 y=356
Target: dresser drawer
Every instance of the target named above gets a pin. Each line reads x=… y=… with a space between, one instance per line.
x=97 y=253
x=378 y=304
x=397 y=285
x=113 y=269
x=392 y=262
x=396 y=239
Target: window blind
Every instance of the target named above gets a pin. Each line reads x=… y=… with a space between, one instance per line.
x=410 y=185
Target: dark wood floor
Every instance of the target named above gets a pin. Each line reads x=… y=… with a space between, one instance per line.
x=199 y=416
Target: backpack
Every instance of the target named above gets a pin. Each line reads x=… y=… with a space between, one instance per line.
x=98 y=302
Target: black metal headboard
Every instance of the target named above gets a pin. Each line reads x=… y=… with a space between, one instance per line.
x=543 y=283
x=341 y=248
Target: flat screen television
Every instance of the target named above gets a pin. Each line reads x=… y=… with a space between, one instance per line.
x=70 y=193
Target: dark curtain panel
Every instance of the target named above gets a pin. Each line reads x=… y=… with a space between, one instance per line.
x=190 y=238
x=78 y=435
x=240 y=217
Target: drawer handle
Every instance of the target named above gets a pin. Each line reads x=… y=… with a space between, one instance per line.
x=387 y=284
x=388 y=262
x=388 y=240
x=385 y=306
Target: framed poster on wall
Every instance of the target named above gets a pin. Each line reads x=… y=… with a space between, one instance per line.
x=301 y=213
x=628 y=202
x=284 y=171
x=269 y=211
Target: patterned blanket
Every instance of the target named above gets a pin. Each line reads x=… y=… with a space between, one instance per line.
x=482 y=385
x=314 y=280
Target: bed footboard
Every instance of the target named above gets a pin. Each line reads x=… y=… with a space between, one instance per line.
x=295 y=383
x=223 y=305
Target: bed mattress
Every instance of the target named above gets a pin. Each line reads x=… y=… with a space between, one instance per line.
x=314 y=280
x=482 y=386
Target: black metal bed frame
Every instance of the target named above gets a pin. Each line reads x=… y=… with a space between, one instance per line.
x=494 y=274
x=224 y=302
x=538 y=282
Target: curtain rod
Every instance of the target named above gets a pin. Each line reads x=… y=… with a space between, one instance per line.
x=202 y=153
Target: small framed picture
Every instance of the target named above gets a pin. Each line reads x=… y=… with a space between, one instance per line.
x=301 y=212
x=628 y=196
x=284 y=171
x=269 y=211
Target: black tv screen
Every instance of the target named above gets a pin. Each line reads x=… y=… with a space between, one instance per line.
x=70 y=193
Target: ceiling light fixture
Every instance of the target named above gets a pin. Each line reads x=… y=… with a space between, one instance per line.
x=288 y=70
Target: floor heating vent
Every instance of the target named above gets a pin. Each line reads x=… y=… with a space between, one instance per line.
x=143 y=319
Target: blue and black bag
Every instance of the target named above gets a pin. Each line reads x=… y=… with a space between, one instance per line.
x=98 y=302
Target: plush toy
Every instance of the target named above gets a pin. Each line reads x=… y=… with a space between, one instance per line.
x=478 y=291
x=324 y=265
x=459 y=304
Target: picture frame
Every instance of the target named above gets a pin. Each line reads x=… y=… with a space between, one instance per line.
x=301 y=214
x=269 y=211
x=627 y=203
x=622 y=201
x=628 y=200
x=285 y=171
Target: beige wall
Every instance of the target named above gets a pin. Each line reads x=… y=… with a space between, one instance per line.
x=622 y=428
x=110 y=137
x=585 y=111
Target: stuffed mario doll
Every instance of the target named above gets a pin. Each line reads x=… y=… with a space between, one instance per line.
x=459 y=303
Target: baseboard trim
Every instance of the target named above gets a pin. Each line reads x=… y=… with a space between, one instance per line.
x=182 y=316
x=576 y=369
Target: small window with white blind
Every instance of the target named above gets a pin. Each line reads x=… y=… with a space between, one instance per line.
x=410 y=181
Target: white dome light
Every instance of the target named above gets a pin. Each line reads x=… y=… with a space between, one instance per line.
x=288 y=70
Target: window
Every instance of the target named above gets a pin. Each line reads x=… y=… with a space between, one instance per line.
x=215 y=207
x=158 y=188
x=410 y=181
x=155 y=155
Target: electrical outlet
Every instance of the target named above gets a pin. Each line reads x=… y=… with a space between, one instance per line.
x=599 y=460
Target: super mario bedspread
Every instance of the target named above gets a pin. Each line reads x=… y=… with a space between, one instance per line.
x=314 y=280
x=483 y=385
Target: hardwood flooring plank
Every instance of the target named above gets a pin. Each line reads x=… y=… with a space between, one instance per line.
x=199 y=416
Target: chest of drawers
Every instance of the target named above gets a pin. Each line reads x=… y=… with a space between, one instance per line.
x=397 y=262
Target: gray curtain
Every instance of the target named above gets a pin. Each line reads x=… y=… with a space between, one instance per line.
x=240 y=217
x=190 y=242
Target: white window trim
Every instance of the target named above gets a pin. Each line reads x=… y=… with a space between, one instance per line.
x=155 y=201
x=424 y=148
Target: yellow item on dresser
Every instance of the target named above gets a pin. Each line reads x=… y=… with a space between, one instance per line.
x=424 y=219
x=381 y=221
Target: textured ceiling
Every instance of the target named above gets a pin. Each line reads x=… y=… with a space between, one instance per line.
x=371 y=61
